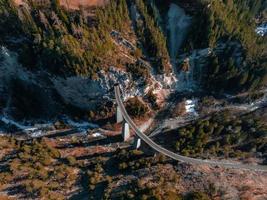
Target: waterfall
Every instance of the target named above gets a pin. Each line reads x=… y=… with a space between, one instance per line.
x=178 y=26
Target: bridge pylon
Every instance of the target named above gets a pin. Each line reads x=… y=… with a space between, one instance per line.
x=119 y=117
x=125 y=131
x=137 y=142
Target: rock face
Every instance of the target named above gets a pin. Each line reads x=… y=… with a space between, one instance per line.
x=86 y=93
x=24 y=93
x=178 y=24
x=39 y=94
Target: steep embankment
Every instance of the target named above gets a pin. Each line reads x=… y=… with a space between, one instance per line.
x=56 y=61
x=17 y=83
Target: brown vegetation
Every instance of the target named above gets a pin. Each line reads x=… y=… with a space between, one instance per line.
x=71 y=4
x=76 y=4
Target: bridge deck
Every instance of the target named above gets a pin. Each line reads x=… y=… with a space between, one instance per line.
x=171 y=154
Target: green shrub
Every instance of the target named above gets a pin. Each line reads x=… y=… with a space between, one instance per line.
x=136 y=108
x=71 y=160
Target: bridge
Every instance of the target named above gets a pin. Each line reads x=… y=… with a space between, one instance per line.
x=122 y=115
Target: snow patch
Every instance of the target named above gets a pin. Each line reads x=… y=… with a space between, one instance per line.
x=96 y=135
x=190 y=106
x=262 y=29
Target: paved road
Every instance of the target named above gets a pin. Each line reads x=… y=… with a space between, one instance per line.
x=173 y=155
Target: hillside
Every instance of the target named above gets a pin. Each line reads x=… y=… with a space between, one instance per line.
x=75 y=46
x=89 y=45
x=68 y=164
x=191 y=74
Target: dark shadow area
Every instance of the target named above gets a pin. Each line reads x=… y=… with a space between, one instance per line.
x=15 y=190
x=106 y=154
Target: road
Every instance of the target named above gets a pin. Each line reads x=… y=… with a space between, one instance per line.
x=175 y=123
x=171 y=154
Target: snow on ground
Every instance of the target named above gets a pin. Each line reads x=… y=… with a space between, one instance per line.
x=97 y=135
x=262 y=30
x=37 y=133
x=190 y=106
